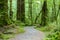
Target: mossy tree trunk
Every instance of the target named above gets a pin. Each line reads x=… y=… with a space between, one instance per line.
x=54 y=17
x=18 y=10
x=11 y=12
x=21 y=10
x=30 y=11
x=44 y=14
x=3 y=12
x=58 y=15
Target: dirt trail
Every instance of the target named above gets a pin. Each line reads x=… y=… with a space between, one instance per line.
x=30 y=34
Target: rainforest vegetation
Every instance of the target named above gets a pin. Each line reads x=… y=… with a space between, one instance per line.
x=16 y=14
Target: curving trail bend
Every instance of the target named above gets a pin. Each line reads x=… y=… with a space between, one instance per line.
x=30 y=34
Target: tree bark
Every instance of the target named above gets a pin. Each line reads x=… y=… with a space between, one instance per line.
x=21 y=10
x=37 y=16
x=3 y=12
x=54 y=17
x=30 y=10
x=44 y=14
x=18 y=10
x=11 y=12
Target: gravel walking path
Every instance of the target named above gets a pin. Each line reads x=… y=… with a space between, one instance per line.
x=30 y=34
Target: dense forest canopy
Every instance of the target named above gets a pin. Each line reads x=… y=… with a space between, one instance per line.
x=36 y=9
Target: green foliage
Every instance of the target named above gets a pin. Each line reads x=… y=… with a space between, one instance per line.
x=6 y=36
x=10 y=31
x=19 y=23
x=3 y=12
x=47 y=28
x=54 y=35
x=52 y=31
x=8 y=24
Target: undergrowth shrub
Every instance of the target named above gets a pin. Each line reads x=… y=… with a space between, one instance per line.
x=8 y=31
x=54 y=34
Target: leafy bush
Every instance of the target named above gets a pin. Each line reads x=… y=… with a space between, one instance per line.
x=47 y=28
x=54 y=35
x=53 y=31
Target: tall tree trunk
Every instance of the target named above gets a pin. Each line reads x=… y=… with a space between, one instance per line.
x=18 y=10
x=21 y=10
x=58 y=14
x=44 y=14
x=37 y=17
x=30 y=10
x=3 y=12
x=54 y=17
x=11 y=13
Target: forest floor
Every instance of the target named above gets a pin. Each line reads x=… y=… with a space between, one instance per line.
x=30 y=34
